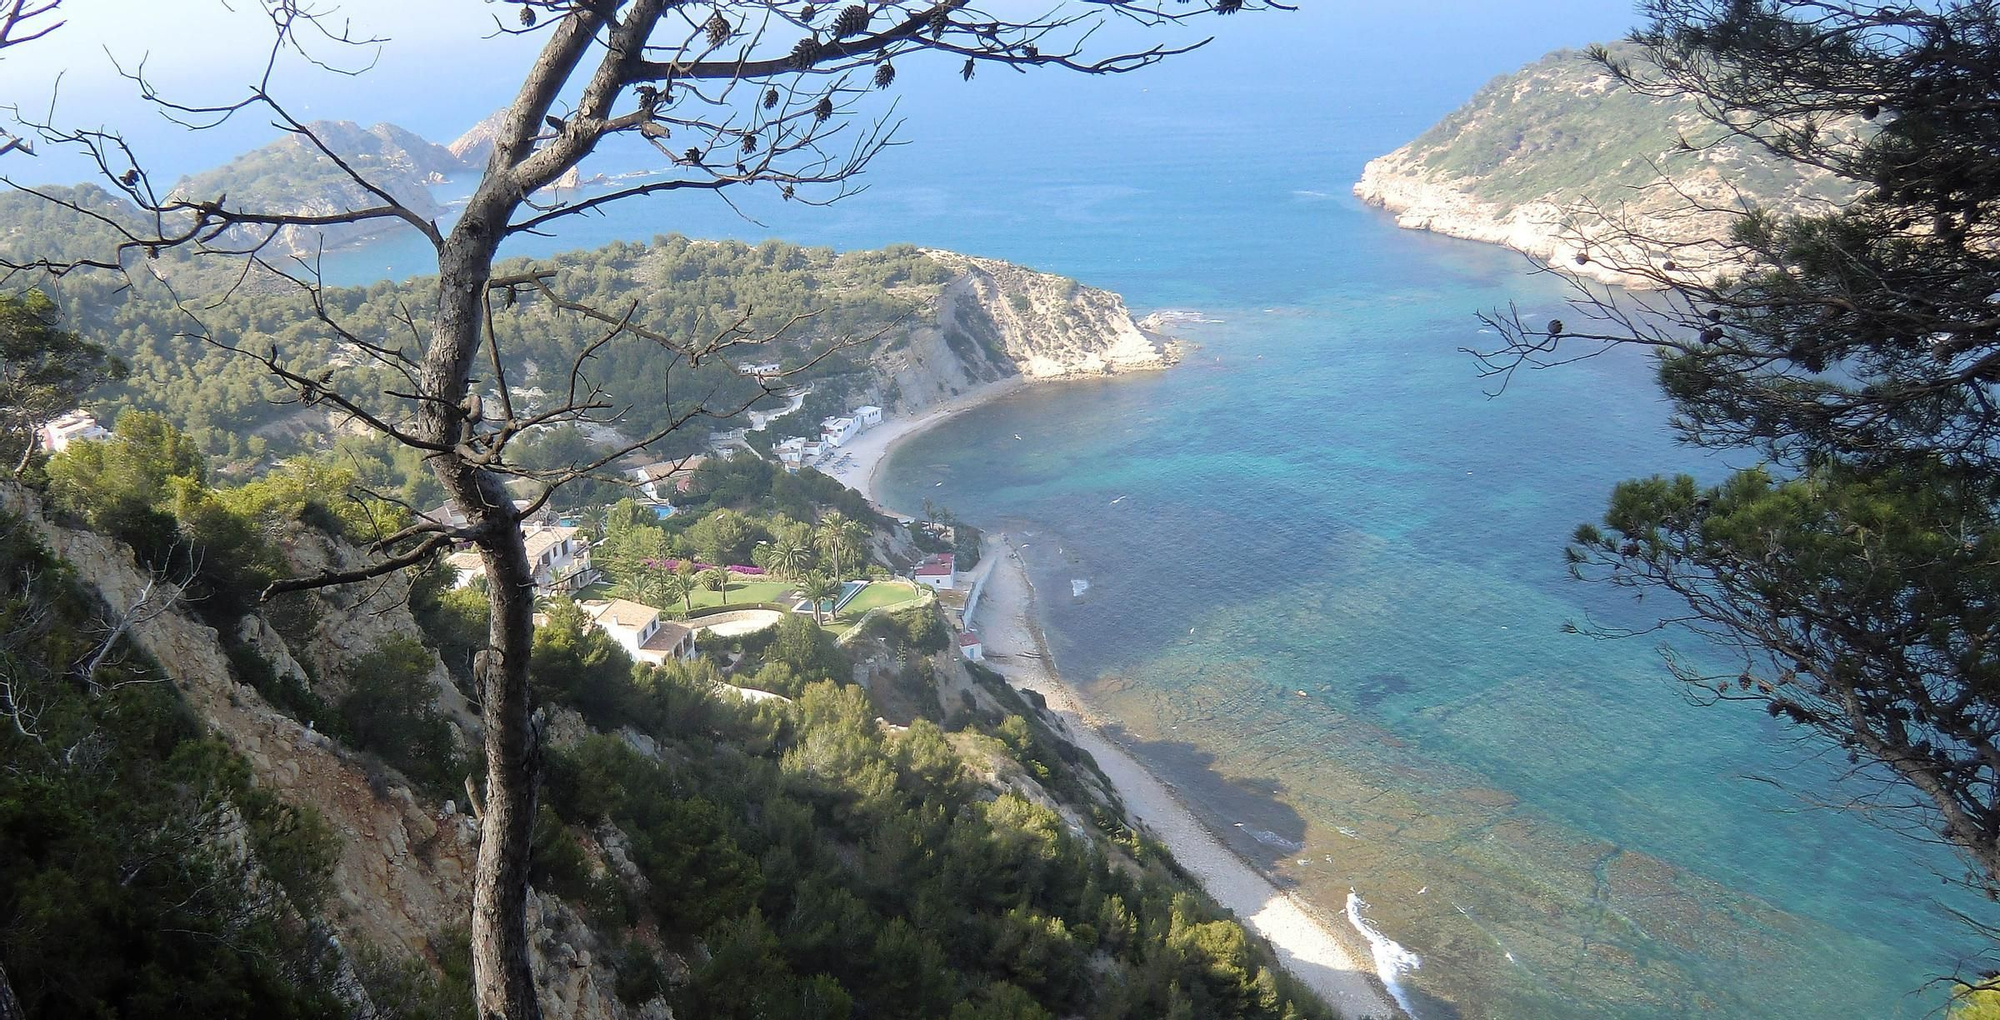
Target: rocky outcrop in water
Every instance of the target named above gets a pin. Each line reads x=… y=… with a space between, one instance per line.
x=292 y=175
x=1560 y=159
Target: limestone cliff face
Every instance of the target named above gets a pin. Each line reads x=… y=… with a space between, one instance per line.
x=995 y=320
x=1560 y=159
x=404 y=874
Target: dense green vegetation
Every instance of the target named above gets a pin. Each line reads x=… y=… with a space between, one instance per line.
x=178 y=322
x=1562 y=130
x=44 y=371
x=807 y=860
x=834 y=868
x=123 y=888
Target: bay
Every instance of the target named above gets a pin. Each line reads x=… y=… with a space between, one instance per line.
x=1328 y=602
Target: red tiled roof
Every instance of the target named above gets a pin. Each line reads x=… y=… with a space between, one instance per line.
x=967 y=638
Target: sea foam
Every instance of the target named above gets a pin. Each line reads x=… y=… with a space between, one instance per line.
x=1392 y=961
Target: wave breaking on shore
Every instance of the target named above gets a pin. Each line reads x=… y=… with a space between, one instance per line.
x=1392 y=960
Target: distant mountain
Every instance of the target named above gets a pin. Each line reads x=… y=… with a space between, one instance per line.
x=472 y=147
x=292 y=175
x=1551 y=159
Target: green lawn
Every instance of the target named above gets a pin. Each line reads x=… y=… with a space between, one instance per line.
x=741 y=591
x=879 y=595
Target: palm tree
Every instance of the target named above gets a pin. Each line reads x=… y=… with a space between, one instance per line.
x=686 y=569
x=673 y=586
x=716 y=579
x=838 y=536
x=643 y=585
x=791 y=556
x=818 y=588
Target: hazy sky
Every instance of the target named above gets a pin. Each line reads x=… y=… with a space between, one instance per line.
x=437 y=73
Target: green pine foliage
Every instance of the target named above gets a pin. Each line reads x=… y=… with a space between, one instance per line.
x=826 y=306
x=831 y=867
x=141 y=873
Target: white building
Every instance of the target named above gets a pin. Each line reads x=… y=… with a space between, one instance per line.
x=971 y=647
x=837 y=431
x=71 y=427
x=560 y=560
x=791 y=453
x=640 y=631
x=868 y=415
x=761 y=369
x=936 y=571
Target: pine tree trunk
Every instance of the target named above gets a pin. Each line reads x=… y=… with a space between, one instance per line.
x=503 y=979
x=10 y=1007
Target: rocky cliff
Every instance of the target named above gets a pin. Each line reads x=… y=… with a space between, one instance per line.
x=403 y=878
x=292 y=175
x=994 y=320
x=1560 y=160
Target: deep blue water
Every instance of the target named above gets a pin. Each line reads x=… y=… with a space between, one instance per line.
x=1328 y=600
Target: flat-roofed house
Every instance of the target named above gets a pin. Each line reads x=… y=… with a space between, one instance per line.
x=69 y=428
x=837 y=431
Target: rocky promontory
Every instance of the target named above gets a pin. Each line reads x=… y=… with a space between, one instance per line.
x=991 y=320
x=294 y=176
x=1565 y=163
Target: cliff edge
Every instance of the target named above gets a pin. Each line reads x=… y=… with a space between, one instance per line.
x=993 y=320
x=1560 y=159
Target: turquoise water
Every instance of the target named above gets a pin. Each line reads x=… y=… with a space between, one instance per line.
x=1327 y=599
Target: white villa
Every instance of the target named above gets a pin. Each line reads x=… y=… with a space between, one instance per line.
x=791 y=453
x=761 y=369
x=69 y=428
x=640 y=631
x=560 y=560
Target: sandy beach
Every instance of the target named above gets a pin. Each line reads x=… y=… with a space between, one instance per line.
x=863 y=456
x=1311 y=947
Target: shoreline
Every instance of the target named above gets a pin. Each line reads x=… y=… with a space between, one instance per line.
x=860 y=461
x=1308 y=944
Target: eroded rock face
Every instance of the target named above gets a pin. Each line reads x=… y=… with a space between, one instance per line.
x=1560 y=160
x=404 y=872
x=995 y=320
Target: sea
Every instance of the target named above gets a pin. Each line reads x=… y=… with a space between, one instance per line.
x=1315 y=572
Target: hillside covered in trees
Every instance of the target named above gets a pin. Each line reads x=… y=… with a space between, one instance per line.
x=261 y=811
x=1560 y=159
x=898 y=326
